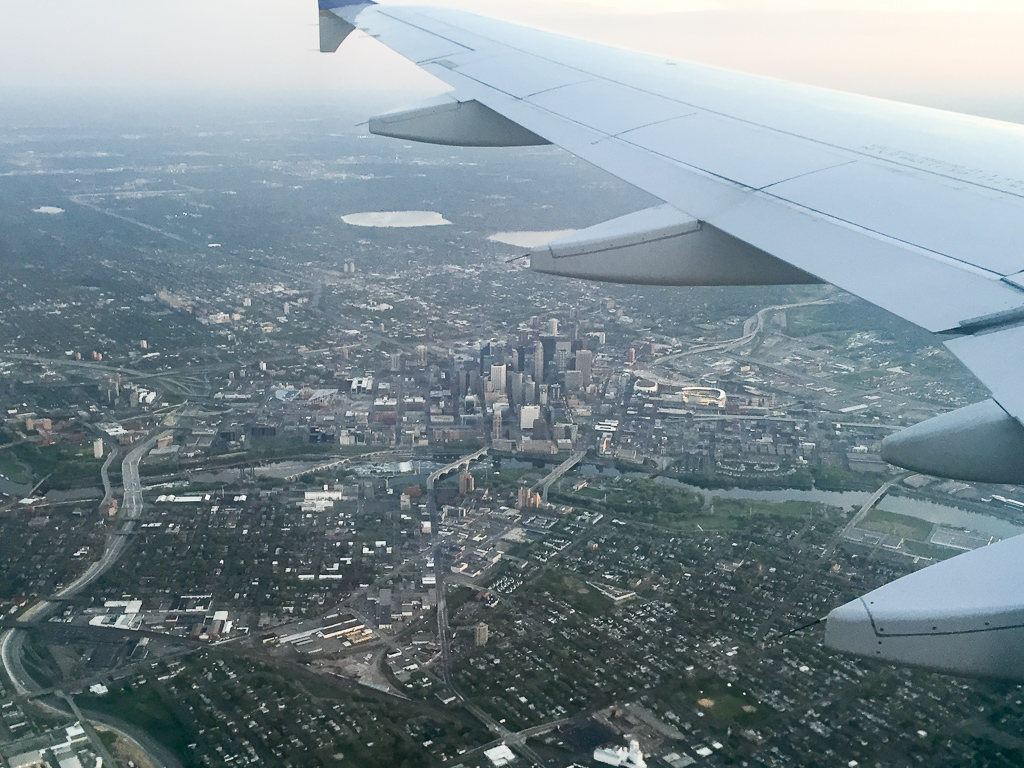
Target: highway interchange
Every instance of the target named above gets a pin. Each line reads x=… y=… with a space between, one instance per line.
x=12 y=640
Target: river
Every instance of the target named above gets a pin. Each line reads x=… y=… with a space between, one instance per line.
x=952 y=517
x=842 y=499
x=930 y=511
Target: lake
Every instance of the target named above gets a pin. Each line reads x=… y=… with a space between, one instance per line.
x=399 y=219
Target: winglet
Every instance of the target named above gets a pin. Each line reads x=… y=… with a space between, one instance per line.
x=336 y=21
x=333 y=31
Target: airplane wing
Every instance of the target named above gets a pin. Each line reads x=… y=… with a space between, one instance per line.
x=918 y=211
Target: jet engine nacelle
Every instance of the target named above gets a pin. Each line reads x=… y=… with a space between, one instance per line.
x=663 y=246
x=963 y=616
x=980 y=443
x=454 y=124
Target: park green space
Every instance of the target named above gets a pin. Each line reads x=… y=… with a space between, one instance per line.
x=821 y=478
x=933 y=551
x=146 y=708
x=13 y=469
x=644 y=500
x=507 y=480
x=65 y=465
x=715 y=699
x=568 y=586
x=893 y=524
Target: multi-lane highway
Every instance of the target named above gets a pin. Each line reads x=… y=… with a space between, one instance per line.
x=752 y=326
x=131 y=510
x=12 y=640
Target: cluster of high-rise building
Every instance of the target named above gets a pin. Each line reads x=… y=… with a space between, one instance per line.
x=526 y=378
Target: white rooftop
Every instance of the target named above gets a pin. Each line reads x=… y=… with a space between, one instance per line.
x=621 y=756
x=500 y=755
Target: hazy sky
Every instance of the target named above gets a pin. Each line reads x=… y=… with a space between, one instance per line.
x=959 y=54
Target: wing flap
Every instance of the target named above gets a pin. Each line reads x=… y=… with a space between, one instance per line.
x=997 y=358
